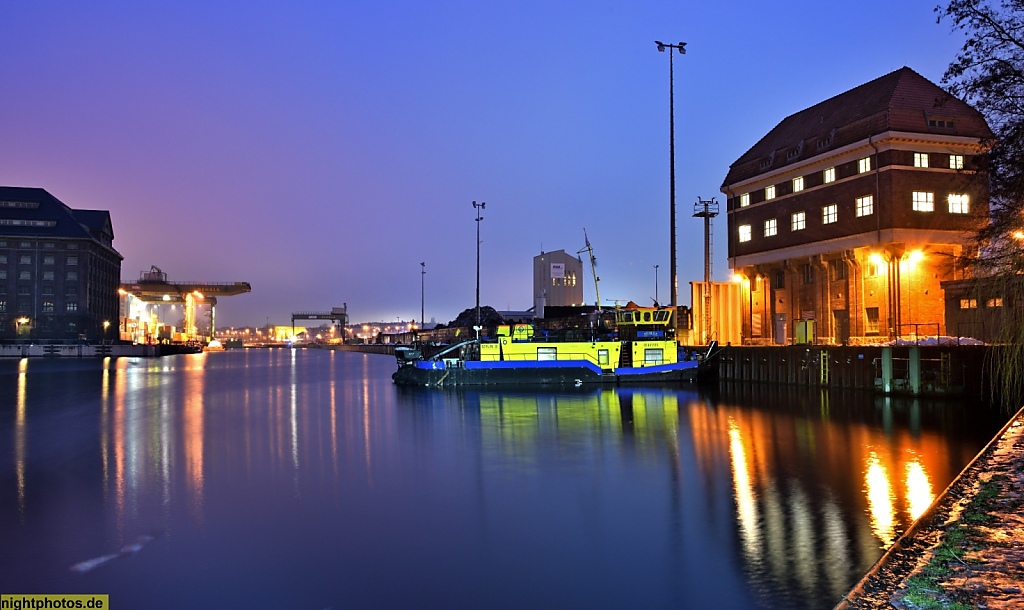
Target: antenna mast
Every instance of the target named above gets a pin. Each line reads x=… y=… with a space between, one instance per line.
x=593 y=267
x=707 y=209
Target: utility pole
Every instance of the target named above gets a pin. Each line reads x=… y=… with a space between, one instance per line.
x=656 y=286
x=478 y=207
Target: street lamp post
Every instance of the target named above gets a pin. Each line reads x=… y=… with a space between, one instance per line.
x=106 y=327
x=672 y=157
x=478 y=207
x=423 y=273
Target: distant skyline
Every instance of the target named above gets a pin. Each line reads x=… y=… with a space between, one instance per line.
x=322 y=150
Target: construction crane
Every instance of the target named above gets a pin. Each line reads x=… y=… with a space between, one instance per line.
x=593 y=267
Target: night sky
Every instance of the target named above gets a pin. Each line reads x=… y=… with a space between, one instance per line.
x=322 y=150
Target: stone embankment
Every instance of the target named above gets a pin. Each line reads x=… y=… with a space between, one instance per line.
x=966 y=551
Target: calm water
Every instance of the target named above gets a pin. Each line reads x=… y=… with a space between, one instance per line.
x=304 y=479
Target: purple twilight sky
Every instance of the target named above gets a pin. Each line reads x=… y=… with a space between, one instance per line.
x=322 y=150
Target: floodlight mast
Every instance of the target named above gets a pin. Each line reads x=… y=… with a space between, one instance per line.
x=681 y=47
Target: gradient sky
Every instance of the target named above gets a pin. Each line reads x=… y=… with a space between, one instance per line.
x=322 y=150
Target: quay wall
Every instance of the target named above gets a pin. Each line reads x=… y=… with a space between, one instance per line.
x=957 y=370
x=387 y=349
x=116 y=350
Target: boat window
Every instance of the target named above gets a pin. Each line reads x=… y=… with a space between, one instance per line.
x=547 y=353
x=661 y=316
x=653 y=356
x=602 y=357
x=647 y=316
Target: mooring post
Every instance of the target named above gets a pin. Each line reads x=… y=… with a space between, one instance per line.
x=887 y=370
x=915 y=370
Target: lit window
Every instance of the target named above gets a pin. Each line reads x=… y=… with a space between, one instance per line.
x=654 y=356
x=771 y=227
x=968 y=303
x=956 y=161
x=769 y=192
x=71 y=307
x=798 y=184
x=996 y=302
x=865 y=205
x=799 y=221
x=744 y=233
x=864 y=165
x=830 y=175
x=744 y=200
x=47 y=306
x=830 y=213
x=923 y=202
x=958 y=204
x=920 y=159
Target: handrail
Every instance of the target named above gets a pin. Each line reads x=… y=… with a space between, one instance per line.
x=438 y=355
x=561 y=356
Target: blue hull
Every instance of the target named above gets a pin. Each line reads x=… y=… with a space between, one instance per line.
x=554 y=373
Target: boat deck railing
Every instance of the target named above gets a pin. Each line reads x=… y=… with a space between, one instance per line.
x=562 y=355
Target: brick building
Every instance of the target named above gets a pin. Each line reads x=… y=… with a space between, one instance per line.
x=59 y=271
x=848 y=214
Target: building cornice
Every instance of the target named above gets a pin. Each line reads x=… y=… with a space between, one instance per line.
x=872 y=239
x=889 y=140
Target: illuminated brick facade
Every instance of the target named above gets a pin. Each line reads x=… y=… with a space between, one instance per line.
x=850 y=213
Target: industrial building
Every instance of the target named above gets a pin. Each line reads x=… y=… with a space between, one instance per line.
x=846 y=217
x=557 y=280
x=59 y=270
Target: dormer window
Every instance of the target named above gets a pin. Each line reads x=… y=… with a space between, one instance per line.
x=940 y=122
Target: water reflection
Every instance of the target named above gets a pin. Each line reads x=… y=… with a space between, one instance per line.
x=312 y=468
x=20 y=438
x=793 y=462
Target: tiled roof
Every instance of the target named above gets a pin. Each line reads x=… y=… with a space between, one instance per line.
x=899 y=101
x=66 y=222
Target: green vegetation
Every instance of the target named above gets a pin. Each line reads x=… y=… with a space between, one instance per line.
x=988 y=73
x=925 y=590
